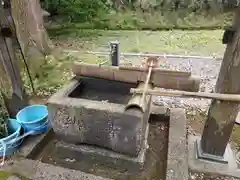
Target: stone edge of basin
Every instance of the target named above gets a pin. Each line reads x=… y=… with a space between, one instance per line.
x=177 y=164
x=61 y=98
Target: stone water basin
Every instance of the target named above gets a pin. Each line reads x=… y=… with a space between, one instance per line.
x=93 y=111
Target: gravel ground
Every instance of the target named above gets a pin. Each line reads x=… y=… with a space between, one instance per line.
x=206 y=69
x=201 y=176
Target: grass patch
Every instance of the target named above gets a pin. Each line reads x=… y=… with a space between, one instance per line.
x=204 y=42
x=4 y=175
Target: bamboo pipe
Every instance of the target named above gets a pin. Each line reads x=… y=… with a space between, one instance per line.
x=136 y=99
x=218 y=96
x=147 y=81
x=151 y=54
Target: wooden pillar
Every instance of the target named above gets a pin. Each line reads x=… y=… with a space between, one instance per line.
x=12 y=89
x=15 y=97
x=222 y=114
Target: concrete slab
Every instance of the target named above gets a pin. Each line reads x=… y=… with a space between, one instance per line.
x=237 y=122
x=50 y=172
x=206 y=166
x=177 y=165
x=21 y=166
x=37 y=170
x=32 y=143
x=160 y=110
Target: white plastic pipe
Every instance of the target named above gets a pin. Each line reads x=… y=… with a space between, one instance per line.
x=156 y=55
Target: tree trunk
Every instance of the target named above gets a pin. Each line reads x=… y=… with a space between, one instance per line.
x=222 y=114
x=32 y=36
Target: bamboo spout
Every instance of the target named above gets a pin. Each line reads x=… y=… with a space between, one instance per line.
x=136 y=100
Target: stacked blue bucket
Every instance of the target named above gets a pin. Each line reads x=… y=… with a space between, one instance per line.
x=31 y=120
x=34 y=119
x=9 y=144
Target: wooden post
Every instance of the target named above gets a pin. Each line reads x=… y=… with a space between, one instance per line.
x=115 y=54
x=15 y=99
x=222 y=114
x=12 y=88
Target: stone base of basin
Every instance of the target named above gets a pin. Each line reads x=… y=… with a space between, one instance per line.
x=226 y=167
x=92 y=111
x=166 y=158
x=107 y=157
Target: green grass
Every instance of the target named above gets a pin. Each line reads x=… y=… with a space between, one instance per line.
x=4 y=175
x=204 y=42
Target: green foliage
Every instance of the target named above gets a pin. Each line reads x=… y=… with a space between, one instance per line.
x=76 y=10
x=141 y=15
x=5 y=176
x=3 y=119
x=130 y=20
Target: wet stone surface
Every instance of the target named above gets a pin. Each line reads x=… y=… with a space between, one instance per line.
x=154 y=168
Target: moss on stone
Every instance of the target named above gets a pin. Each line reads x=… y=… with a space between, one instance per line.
x=5 y=175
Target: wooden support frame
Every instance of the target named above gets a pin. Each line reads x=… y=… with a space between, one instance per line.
x=184 y=94
x=15 y=97
x=160 y=78
x=222 y=114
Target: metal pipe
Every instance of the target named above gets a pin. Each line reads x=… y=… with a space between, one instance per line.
x=114 y=55
x=156 y=55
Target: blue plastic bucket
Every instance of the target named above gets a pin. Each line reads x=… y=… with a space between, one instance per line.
x=11 y=145
x=34 y=118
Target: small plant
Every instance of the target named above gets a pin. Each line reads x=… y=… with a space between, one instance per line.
x=3 y=120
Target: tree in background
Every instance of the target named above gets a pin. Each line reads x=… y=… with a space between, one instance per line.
x=20 y=20
x=32 y=36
